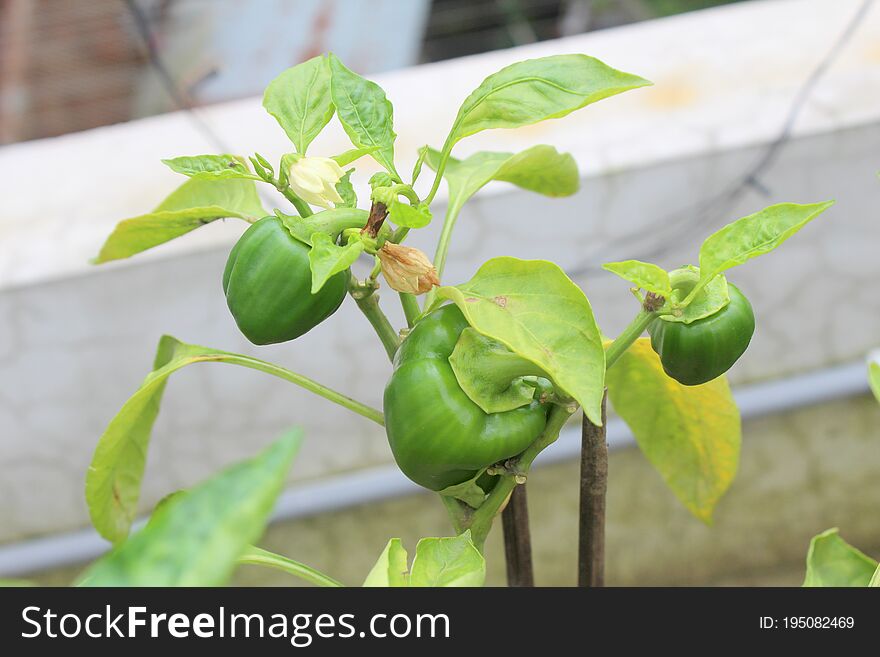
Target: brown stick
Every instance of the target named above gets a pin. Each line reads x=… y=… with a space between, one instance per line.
x=594 y=483
x=517 y=539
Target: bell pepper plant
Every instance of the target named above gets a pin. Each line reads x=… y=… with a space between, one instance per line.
x=486 y=372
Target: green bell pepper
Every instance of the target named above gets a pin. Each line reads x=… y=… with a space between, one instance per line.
x=438 y=435
x=267 y=282
x=706 y=348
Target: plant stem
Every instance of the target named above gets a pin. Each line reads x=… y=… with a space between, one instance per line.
x=594 y=483
x=481 y=521
x=301 y=206
x=443 y=248
x=629 y=335
x=518 y=540
x=257 y=557
x=368 y=301
x=300 y=380
x=410 y=308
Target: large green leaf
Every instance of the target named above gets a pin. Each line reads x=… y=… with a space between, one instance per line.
x=537 y=312
x=644 y=275
x=391 y=567
x=453 y=562
x=539 y=169
x=754 y=235
x=365 y=113
x=299 y=99
x=537 y=89
x=211 y=167
x=113 y=481
x=195 y=203
x=197 y=537
x=690 y=434
x=831 y=561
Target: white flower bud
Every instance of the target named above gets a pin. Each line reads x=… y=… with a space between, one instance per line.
x=314 y=180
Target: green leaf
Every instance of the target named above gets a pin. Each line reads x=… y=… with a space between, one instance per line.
x=491 y=374
x=874 y=378
x=197 y=537
x=15 y=583
x=537 y=312
x=300 y=101
x=540 y=169
x=195 y=203
x=468 y=491
x=537 y=89
x=453 y=562
x=409 y=216
x=644 y=275
x=875 y=580
x=114 y=477
x=254 y=556
x=211 y=167
x=754 y=235
x=690 y=434
x=709 y=299
x=353 y=154
x=365 y=113
x=346 y=190
x=391 y=567
x=831 y=561
x=327 y=259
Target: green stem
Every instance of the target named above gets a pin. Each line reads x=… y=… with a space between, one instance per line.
x=255 y=556
x=441 y=167
x=301 y=206
x=300 y=380
x=368 y=301
x=629 y=335
x=481 y=521
x=410 y=308
x=443 y=247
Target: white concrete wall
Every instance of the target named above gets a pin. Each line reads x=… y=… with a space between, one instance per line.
x=75 y=340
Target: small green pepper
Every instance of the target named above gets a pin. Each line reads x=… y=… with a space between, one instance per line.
x=438 y=435
x=706 y=348
x=268 y=282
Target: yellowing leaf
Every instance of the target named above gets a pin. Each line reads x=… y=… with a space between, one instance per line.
x=690 y=434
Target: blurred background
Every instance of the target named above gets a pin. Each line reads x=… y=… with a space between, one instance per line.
x=755 y=102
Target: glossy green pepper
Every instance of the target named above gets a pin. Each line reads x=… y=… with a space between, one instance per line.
x=706 y=348
x=268 y=282
x=438 y=435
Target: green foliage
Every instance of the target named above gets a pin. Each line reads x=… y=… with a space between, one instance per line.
x=489 y=373
x=538 y=89
x=831 y=561
x=300 y=101
x=644 y=275
x=326 y=258
x=537 y=312
x=211 y=167
x=196 y=202
x=114 y=477
x=755 y=235
x=450 y=562
x=197 y=537
x=365 y=113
